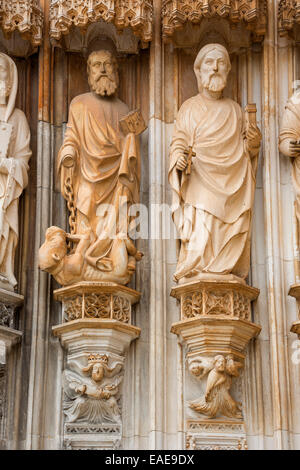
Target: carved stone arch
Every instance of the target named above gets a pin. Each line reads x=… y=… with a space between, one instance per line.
x=212 y=30
x=101 y=33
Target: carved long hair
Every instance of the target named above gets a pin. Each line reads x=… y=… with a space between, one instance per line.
x=13 y=77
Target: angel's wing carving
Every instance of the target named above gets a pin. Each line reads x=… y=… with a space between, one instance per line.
x=114 y=370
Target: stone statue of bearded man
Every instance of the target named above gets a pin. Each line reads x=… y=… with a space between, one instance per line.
x=14 y=156
x=212 y=203
x=99 y=166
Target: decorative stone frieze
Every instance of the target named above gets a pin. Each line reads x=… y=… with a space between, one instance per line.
x=136 y=15
x=215 y=435
x=176 y=13
x=24 y=16
x=288 y=15
x=220 y=322
x=96 y=332
x=97 y=300
x=9 y=302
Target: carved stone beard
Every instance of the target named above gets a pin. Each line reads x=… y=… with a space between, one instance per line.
x=104 y=85
x=214 y=81
x=4 y=91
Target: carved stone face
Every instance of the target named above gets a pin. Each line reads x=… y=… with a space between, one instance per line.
x=103 y=75
x=220 y=364
x=214 y=71
x=4 y=78
x=97 y=372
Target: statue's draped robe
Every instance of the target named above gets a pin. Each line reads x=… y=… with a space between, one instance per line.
x=106 y=165
x=16 y=164
x=212 y=206
x=290 y=130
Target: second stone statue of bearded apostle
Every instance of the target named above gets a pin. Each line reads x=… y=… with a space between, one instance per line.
x=212 y=206
x=99 y=166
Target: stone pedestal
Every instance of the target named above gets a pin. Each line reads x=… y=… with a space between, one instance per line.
x=9 y=336
x=9 y=302
x=96 y=333
x=295 y=292
x=214 y=329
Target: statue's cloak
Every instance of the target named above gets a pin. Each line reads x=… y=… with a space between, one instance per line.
x=107 y=164
x=212 y=206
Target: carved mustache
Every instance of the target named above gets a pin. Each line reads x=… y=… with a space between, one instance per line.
x=103 y=75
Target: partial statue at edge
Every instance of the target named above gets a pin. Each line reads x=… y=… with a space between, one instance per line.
x=99 y=167
x=213 y=162
x=289 y=141
x=14 y=157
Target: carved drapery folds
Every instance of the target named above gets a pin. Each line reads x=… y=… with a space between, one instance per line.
x=136 y=14
x=288 y=15
x=24 y=16
x=175 y=13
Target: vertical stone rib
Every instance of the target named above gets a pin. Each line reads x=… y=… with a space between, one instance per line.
x=274 y=261
x=157 y=311
x=41 y=282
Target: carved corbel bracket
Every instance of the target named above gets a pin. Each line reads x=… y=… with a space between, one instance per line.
x=96 y=334
x=215 y=329
x=215 y=317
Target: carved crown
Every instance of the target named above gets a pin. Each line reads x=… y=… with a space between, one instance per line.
x=93 y=358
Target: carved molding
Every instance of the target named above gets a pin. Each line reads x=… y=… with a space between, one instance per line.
x=24 y=16
x=251 y=13
x=288 y=15
x=215 y=435
x=214 y=299
x=97 y=301
x=135 y=14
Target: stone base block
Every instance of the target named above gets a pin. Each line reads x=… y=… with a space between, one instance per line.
x=94 y=437
x=215 y=435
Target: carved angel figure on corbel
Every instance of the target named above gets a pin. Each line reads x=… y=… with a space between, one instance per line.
x=217 y=399
x=93 y=400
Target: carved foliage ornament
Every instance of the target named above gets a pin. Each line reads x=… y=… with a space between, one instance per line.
x=175 y=13
x=288 y=15
x=136 y=14
x=100 y=306
x=24 y=16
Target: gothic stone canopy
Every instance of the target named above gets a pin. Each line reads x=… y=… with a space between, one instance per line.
x=24 y=16
x=288 y=15
x=136 y=14
x=253 y=13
